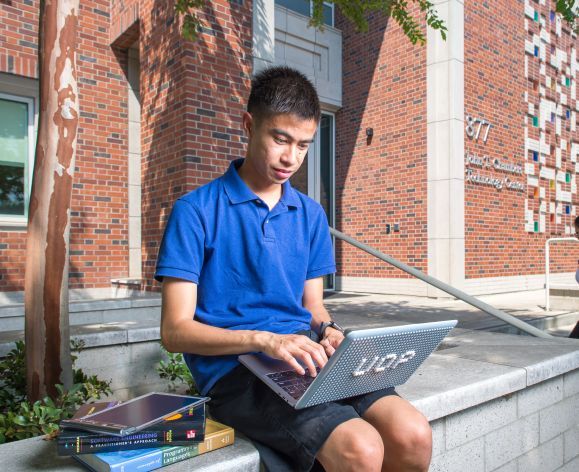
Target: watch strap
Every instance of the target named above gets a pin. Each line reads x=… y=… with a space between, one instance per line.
x=329 y=324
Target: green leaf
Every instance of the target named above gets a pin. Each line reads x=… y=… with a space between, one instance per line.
x=356 y=11
x=19 y=419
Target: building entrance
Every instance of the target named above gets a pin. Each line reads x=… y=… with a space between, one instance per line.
x=316 y=175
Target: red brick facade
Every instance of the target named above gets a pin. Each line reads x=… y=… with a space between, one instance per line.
x=381 y=180
x=496 y=242
x=191 y=109
x=99 y=224
x=192 y=98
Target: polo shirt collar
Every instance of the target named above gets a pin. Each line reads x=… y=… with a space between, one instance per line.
x=238 y=191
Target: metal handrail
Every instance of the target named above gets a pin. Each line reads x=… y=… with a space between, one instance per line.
x=547 y=273
x=526 y=327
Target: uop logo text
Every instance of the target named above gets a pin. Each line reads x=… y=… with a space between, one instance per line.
x=380 y=364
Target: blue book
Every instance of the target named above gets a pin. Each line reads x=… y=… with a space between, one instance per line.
x=217 y=436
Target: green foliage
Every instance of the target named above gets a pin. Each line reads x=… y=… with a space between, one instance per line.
x=191 y=23
x=176 y=372
x=20 y=419
x=569 y=10
x=357 y=11
x=13 y=378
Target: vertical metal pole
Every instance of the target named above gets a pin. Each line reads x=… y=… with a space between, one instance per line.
x=547 y=274
x=547 y=305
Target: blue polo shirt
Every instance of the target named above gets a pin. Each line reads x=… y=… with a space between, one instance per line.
x=250 y=263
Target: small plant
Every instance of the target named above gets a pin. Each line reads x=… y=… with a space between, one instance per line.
x=20 y=419
x=176 y=372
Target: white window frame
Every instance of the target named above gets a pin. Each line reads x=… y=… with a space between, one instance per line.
x=314 y=177
x=21 y=220
x=328 y=4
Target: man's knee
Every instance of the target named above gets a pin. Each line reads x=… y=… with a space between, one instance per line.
x=419 y=434
x=356 y=448
x=364 y=452
x=413 y=443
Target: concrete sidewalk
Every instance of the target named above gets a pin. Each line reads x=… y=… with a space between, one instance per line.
x=358 y=310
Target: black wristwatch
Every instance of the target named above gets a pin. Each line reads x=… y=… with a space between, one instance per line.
x=329 y=324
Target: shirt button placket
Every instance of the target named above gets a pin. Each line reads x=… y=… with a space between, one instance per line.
x=267 y=228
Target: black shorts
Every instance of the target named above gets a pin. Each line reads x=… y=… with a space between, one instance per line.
x=241 y=400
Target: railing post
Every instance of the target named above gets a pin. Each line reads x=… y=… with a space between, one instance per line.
x=547 y=271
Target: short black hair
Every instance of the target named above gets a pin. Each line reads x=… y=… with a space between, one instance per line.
x=577 y=221
x=281 y=89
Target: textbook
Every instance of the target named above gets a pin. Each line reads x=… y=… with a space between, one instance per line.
x=180 y=429
x=217 y=436
x=134 y=415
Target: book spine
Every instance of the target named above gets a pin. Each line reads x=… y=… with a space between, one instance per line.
x=140 y=464
x=216 y=441
x=87 y=444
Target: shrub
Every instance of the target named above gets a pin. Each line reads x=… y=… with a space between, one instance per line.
x=176 y=372
x=21 y=419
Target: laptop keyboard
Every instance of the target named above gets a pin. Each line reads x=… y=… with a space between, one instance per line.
x=292 y=383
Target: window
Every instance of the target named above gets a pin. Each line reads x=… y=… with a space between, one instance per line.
x=16 y=155
x=305 y=7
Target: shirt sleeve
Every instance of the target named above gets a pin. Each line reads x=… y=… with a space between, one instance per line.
x=321 y=248
x=182 y=248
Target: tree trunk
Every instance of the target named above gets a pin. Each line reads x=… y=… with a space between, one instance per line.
x=47 y=334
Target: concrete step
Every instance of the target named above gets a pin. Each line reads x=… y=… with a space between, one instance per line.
x=98 y=311
x=555 y=325
x=562 y=331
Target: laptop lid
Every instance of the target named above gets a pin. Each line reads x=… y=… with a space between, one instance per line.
x=367 y=360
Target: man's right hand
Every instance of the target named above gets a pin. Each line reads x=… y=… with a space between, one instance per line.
x=293 y=348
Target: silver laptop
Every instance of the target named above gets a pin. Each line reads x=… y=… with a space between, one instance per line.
x=367 y=360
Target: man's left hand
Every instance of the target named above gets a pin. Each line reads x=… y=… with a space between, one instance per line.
x=332 y=339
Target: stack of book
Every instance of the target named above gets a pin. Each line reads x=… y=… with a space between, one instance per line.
x=172 y=439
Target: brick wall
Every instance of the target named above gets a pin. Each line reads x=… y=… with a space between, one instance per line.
x=18 y=37
x=496 y=241
x=99 y=226
x=99 y=222
x=192 y=97
x=383 y=180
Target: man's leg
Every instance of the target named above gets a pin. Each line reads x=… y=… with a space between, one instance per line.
x=354 y=445
x=405 y=433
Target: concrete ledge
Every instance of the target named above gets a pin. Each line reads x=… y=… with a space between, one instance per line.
x=98 y=334
x=474 y=367
x=494 y=400
x=85 y=311
x=37 y=454
x=564 y=297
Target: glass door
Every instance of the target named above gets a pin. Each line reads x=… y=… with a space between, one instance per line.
x=316 y=175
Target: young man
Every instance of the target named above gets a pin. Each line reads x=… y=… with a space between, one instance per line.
x=242 y=265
